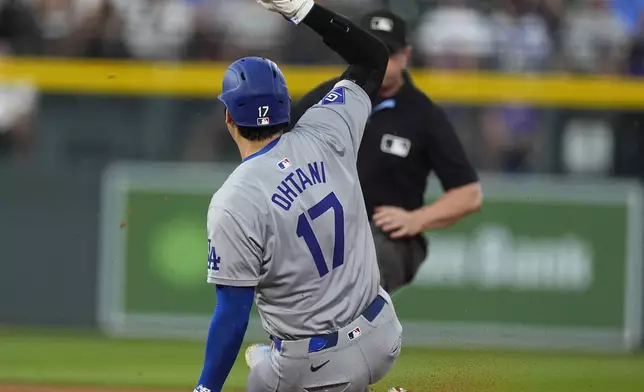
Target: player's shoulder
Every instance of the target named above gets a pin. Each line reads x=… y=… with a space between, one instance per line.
x=238 y=195
x=345 y=98
x=338 y=91
x=342 y=89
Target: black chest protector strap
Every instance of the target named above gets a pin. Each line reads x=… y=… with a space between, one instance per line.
x=366 y=55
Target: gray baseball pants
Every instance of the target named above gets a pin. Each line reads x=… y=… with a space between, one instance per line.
x=352 y=358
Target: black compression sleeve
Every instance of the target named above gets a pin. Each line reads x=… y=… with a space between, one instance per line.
x=367 y=55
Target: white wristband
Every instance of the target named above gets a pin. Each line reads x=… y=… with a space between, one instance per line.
x=302 y=12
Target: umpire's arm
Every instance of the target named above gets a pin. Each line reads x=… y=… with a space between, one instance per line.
x=458 y=178
x=463 y=194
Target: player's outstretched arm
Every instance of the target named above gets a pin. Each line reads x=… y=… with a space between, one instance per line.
x=366 y=55
x=225 y=335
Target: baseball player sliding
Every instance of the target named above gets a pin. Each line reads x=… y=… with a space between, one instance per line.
x=289 y=227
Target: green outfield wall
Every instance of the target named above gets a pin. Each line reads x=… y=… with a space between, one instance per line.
x=548 y=263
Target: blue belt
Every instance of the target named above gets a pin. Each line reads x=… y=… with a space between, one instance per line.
x=323 y=342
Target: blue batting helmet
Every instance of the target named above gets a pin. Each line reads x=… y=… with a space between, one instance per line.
x=255 y=93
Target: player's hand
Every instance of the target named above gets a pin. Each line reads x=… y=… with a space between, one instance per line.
x=293 y=10
x=397 y=222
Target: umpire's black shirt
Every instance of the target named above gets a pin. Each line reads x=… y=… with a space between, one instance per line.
x=406 y=138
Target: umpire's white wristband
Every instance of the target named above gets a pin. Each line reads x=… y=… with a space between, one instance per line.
x=302 y=12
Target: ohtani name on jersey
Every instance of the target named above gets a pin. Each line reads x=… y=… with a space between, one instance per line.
x=296 y=182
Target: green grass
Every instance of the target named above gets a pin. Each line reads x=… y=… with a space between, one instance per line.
x=90 y=360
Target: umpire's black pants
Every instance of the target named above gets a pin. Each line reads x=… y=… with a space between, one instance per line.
x=399 y=259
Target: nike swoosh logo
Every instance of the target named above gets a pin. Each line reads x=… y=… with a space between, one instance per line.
x=316 y=368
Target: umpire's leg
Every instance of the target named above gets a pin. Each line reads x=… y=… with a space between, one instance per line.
x=399 y=260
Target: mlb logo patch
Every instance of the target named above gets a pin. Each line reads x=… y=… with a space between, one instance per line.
x=382 y=24
x=353 y=334
x=263 y=121
x=395 y=145
x=335 y=97
x=284 y=164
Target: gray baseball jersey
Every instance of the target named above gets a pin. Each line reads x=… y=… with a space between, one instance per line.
x=291 y=221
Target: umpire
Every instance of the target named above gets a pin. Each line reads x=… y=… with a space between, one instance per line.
x=407 y=137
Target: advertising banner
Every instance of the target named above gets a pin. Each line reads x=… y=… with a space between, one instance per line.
x=549 y=262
